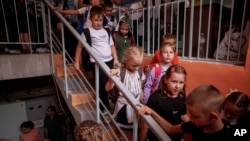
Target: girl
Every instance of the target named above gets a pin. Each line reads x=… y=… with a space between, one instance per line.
x=236 y=110
x=29 y=133
x=123 y=38
x=169 y=101
x=158 y=70
x=133 y=78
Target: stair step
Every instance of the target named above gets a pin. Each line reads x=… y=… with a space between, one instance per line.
x=81 y=98
x=69 y=68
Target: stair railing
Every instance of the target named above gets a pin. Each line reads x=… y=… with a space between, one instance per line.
x=153 y=125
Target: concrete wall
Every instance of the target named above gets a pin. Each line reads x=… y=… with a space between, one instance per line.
x=24 y=66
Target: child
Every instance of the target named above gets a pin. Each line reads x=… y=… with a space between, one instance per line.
x=82 y=11
x=123 y=38
x=204 y=107
x=29 y=133
x=168 y=38
x=158 y=70
x=124 y=113
x=88 y=130
x=109 y=20
x=103 y=46
x=236 y=110
x=169 y=101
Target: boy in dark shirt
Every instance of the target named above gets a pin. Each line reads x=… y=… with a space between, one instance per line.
x=203 y=105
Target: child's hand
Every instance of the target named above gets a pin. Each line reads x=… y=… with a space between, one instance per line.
x=77 y=66
x=57 y=9
x=117 y=64
x=145 y=110
x=115 y=72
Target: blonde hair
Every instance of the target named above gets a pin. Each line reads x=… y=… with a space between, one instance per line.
x=88 y=130
x=207 y=97
x=134 y=52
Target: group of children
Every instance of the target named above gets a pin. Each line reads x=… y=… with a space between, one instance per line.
x=161 y=88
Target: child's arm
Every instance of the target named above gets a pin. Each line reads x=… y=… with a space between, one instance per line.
x=78 y=55
x=68 y=11
x=148 y=85
x=110 y=84
x=169 y=128
x=114 y=54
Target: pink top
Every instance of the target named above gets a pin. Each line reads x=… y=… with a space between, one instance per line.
x=33 y=135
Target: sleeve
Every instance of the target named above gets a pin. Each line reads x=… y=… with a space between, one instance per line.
x=82 y=10
x=152 y=102
x=148 y=85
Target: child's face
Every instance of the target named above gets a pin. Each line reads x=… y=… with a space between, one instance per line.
x=175 y=83
x=232 y=112
x=97 y=22
x=198 y=117
x=133 y=64
x=94 y=2
x=108 y=11
x=124 y=29
x=167 y=54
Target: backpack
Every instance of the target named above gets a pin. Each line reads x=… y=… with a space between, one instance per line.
x=81 y=21
x=113 y=94
x=147 y=69
x=85 y=55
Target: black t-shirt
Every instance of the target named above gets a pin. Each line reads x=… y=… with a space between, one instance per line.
x=227 y=133
x=170 y=109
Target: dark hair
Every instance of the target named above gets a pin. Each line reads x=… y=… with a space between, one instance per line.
x=240 y=99
x=96 y=10
x=171 y=69
x=27 y=124
x=107 y=3
x=52 y=108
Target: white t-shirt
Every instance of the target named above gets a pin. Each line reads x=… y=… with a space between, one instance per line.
x=101 y=44
x=82 y=11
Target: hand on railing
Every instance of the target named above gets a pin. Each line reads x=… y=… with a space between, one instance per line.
x=145 y=110
x=58 y=9
x=77 y=65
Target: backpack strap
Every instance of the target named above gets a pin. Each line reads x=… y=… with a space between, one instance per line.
x=87 y=36
x=157 y=67
x=108 y=31
x=122 y=74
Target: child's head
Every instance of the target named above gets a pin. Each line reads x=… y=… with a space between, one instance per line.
x=26 y=127
x=168 y=39
x=94 y=2
x=96 y=17
x=204 y=104
x=108 y=8
x=235 y=104
x=51 y=110
x=132 y=58
x=125 y=25
x=173 y=82
x=167 y=51
x=88 y=130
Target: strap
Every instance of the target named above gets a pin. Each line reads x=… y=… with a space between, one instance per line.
x=87 y=36
x=108 y=31
x=157 y=67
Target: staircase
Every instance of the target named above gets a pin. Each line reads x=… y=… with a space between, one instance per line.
x=80 y=98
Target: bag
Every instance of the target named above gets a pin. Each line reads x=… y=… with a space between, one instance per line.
x=230 y=47
x=113 y=94
x=71 y=5
x=85 y=55
x=147 y=69
x=81 y=21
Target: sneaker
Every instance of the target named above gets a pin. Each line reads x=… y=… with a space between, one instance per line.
x=14 y=51
x=42 y=50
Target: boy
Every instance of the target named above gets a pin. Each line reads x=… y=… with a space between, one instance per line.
x=109 y=19
x=102 y=45
x=204 y=106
